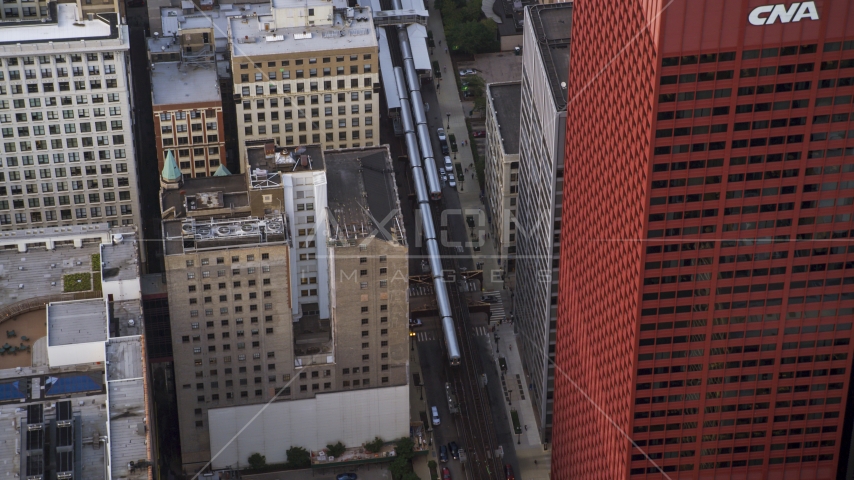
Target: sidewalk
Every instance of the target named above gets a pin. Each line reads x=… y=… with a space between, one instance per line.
x=534 y=462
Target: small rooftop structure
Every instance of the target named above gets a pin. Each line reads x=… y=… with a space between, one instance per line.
x=221 y=171
x=362 y=195
x=268 y=163
x=171 y=172
x=174 y=83
x=119 y=260
x=64 y=24
x=506 y=99
x=204 y=196
x=552 y=24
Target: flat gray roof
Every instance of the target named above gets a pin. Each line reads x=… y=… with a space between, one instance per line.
x=233 y=189
x=173 y=83
x=127 y=427
x=341 y=35
x=78 y=321
x=507 y=101
x=42 y=271
x=257 y=159
x=124 y=357
x=120 y=259
x=552 y=24
x=126 y=390
x=125 y=318
x=66 y=27
x=361 y=194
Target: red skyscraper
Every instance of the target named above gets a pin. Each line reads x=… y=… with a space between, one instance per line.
x=707 y=265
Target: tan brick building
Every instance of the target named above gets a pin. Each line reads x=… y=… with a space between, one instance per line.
x=307 y=74
x=290 y=287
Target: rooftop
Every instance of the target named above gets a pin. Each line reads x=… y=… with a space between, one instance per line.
x=92 y=423
x=125 y=318
x=39 y=272
x=507 y=102
x=205 y=194
x=362 y=195
x=126 y=388
x=119 y=259
x=183 y=235
x=552 y=24
x=63 y=24
x=74 y=322
x=173 y=83
x=267 y=163
x=252 y=39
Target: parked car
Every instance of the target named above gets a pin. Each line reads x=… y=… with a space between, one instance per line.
x=436 y=421
x=445 y=149
x=441 y=133
x=452 y=180
x=478 y=133
x=415 y=322
x=508 y=472
x=443 y=453
x=467 y=93
x=346 y=476
x=449 y=165
x=455 y=450
x=446 y=474
x=467 y=71
x=443 y=176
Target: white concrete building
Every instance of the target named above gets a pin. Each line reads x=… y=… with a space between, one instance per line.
x=503 y=106
x=545 y=68
x=67 y=149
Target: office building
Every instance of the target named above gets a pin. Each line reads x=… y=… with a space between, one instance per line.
x=705 y=305
x=65 y=117
x=305 y=73
x=185 y=94
x=545 y=63
x=503 y=107
x=290 y=283
x=74 y=386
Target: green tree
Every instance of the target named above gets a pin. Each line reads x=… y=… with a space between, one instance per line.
x=375 y=445
x=257 y=461
x=404 y=448
x=336 y=450
x=473 y=37
x=475 y=85
x=298 y=457
x=399 y=467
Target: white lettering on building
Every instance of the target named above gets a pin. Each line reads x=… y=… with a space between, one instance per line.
x=768 y=14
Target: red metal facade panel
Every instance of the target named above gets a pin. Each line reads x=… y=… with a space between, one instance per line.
x=707 y=266
x=608 y=143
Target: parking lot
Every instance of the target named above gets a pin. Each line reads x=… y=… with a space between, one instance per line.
x=496 y=67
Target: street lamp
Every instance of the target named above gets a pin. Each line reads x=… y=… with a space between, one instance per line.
x=510 y=397
x=449 y=120
x=411 y=341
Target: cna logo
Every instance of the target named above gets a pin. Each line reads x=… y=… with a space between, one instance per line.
x=768 y=14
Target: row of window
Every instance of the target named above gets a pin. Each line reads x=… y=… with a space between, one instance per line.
x=300 y=73
x=32 y=74
x=286 y=88
x=79 y=85
x=59 y=59
x=94 y=198
x=79 y=214
x=26 y=12
x=311 y=61
x=770 y=52
x=69 y=128
x=315 y=138
x=52 y=114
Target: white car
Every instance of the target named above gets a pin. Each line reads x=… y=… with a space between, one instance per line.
x=441 y=133
x=443 y=175
x=449 y=165
x=435 y=412
x=452 y=180
x=467 y=71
